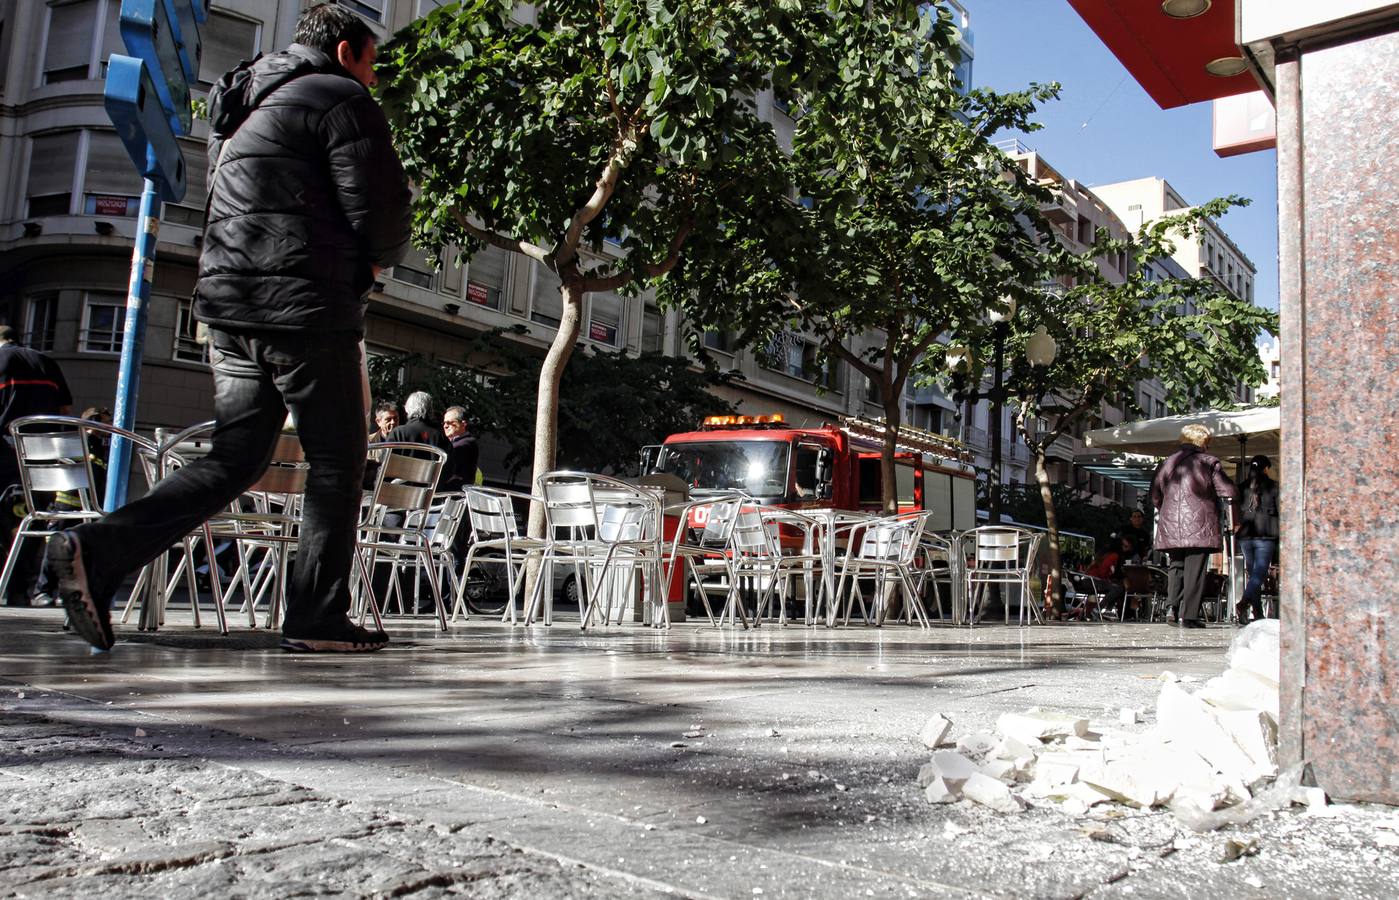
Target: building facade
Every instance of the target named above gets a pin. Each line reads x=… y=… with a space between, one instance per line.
x=68 y=206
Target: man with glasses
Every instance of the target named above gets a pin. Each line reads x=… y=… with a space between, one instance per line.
x=461 y=464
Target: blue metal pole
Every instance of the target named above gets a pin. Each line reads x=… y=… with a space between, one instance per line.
x=138 y=295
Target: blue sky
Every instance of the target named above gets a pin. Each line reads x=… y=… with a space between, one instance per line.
x=1104 y=127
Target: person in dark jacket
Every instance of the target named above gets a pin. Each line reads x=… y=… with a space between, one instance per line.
x=1258 y=533
x=461 y=464
x=1186 y=491
x=307 y=202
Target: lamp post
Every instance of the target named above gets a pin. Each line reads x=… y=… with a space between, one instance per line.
x=959 y=362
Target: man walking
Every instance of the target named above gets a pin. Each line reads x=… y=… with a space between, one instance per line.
x=307 y=201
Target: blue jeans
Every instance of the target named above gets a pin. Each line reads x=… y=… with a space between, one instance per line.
x=258 y=376
x=1258 y=556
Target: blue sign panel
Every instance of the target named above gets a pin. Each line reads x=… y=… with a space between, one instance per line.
x=135 y=109
x=152 y=33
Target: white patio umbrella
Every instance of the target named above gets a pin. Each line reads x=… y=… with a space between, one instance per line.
x=1237 y=435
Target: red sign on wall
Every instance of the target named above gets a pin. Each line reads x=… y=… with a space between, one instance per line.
x=602 y=332
x=478 y=293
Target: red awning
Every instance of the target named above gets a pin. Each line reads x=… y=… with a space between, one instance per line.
x=1167 y=56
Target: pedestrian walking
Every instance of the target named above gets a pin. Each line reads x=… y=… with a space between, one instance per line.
x=1186 y=492
x=1258 y=533
x=307 y=202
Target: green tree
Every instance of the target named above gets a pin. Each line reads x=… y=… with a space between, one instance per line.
x=912 y=221
x=610 y=404
x=1198 y=339
x=610 y=120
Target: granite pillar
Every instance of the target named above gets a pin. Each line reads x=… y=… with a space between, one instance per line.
x=1338 y=194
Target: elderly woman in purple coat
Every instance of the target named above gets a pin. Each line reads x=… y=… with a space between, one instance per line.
x=1186 y=491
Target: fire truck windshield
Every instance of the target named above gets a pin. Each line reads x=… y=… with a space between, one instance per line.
x=758 y=468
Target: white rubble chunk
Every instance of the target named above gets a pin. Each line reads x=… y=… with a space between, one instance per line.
x=990 y=793
x=1189 y=722
x=1240 y=689
x=1257 y=650
x=1011 y=749
x=1058 y=767
x=1313 y=798
x=999 y=769
x=926 y=773
x=1129 y=716
x=939 y=791
x=1073 y=742
x=1037 y=726
x=1255 y=734
x=952 y=767
x=935 y=730
x=978 y=743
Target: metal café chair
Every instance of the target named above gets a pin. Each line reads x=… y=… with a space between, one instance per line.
x=610 y=532
x=395 y=529
x=709 y=554
x=1004 y=557
x=55 y=455
x=886 y=548
x=496 y=539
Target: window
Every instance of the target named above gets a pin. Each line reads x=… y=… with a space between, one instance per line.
x=485 y=277
x=652 y=330
x=228 y=40
x=52 y=158
x=68 y=54
x=418 y=269
x=188 y=343
x=190 y=210
x=547 y=307
x=104 y=318
x=40 y=317
x=111 y=185
x=723 y=341
x=799 y=358
x=605 y=319
x=373 y=10
x=427 y=6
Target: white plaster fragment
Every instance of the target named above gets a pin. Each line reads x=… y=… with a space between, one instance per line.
x=1041 y=725
x=999 y=769
x=1129 y=716
x=953 y=767
x=990 y=793
x=978 y=743
x=935 y=731
x=939 y=791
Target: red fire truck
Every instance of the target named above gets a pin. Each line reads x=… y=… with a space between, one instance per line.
x=826 y=466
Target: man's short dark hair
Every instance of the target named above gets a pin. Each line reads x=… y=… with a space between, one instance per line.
x=324 y=26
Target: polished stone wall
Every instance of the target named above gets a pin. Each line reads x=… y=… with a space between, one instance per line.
x=1338 y=130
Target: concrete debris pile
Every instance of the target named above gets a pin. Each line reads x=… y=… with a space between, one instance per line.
x=1210 y=756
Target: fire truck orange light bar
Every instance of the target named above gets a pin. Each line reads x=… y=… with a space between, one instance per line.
x=720 y=421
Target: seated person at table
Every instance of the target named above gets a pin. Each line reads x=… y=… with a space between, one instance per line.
x=1105 y=574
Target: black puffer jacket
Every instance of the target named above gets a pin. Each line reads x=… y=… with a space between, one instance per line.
x=308 y=196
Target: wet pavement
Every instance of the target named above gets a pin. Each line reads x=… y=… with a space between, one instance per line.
x=695 y=762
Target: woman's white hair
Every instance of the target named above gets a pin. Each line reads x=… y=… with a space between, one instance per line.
x=1198 y=435
x=419 y=405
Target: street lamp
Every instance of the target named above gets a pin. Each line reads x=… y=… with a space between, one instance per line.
x=959 y=362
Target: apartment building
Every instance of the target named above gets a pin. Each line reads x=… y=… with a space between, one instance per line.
x=1210 y=254
x=68 y=206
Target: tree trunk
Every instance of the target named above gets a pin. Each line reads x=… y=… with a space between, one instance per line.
x=893 y=418
x=546 y=415
x=1051 y=521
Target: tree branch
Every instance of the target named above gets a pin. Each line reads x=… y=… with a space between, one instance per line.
x=860 y=365
x=606 y=185
x=656 y=270
x=534 y=252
